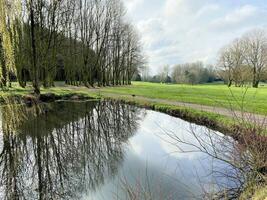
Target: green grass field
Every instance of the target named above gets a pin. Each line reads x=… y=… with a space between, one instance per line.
x=249 y=99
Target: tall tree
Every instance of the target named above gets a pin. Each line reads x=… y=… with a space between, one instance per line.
x=85 y=42
x=256 y=54
x=9 y=11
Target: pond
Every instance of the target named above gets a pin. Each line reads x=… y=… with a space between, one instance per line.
x=108 y=150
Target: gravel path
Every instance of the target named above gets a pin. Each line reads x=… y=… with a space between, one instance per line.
x=237 y=115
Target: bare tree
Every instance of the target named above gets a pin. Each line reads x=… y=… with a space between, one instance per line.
x=256 y=54
x=226 y=61
x=245 y=59
x=81 y=41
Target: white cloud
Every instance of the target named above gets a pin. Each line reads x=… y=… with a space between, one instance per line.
x=237 y=18
x=131 y=5
x=188 y=30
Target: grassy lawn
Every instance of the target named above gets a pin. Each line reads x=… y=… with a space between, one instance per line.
x=250 y=99
x=61 y=89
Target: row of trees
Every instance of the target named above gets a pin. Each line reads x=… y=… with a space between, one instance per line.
x=188 y=73
x=244 y=60
x=193 y=73
x=79 y=41
x=163 y=75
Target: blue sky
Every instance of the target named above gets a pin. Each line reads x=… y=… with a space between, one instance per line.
x=178 y=31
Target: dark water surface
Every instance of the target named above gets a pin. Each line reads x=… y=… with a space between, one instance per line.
x=106 y=150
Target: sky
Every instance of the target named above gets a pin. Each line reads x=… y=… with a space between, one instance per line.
x=179 y=31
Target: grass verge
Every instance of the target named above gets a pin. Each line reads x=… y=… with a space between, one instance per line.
x=216 y=95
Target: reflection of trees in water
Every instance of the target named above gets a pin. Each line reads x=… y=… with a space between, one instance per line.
x=68 y=149
x=229 y=168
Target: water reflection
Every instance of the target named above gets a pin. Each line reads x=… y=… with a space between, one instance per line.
x=63 y=151
x=165 y=160
x=108 y=150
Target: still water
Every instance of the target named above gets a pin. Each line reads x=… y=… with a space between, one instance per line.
x=107 y=150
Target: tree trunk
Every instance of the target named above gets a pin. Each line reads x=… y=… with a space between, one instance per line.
x=35 y=81
x=255 y=81
x=3 y=80
x=230 y=83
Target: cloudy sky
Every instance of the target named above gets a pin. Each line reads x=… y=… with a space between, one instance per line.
x=178 y=31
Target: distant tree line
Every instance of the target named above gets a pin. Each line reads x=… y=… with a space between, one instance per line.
x=188 y=73
x=193 y=73
x=81 y=42
x=244 y=61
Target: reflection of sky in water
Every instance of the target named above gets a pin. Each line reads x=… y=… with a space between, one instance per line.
x=105 y=145
x=154 y=162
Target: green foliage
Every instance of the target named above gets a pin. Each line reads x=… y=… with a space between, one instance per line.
x=8 y=14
